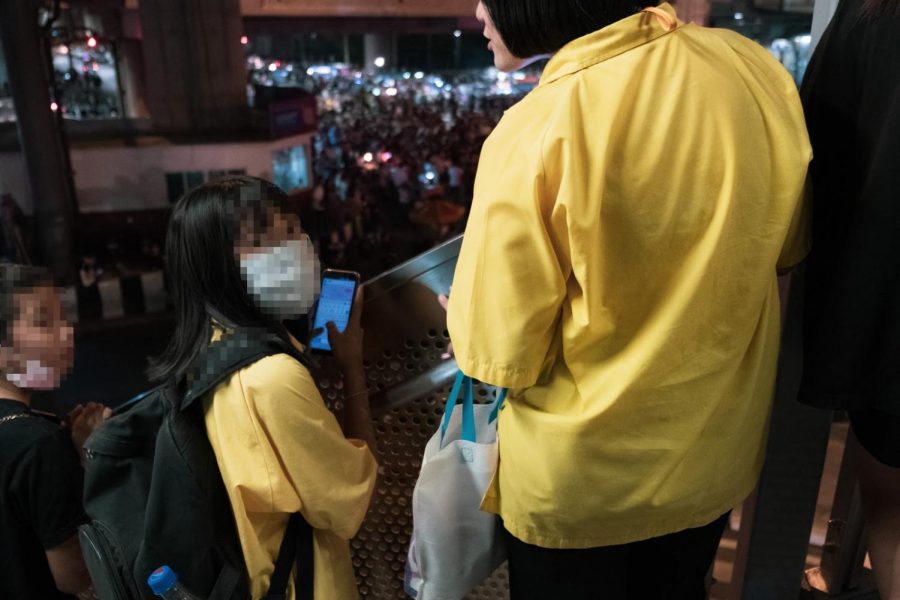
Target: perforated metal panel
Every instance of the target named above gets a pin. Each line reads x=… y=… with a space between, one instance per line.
x=405 y=337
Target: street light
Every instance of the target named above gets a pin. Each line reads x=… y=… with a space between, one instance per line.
x=457 y=34
x=380 y=62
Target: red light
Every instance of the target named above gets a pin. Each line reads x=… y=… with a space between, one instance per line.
x=244 y=40
x=92 y=42
x=54 y=106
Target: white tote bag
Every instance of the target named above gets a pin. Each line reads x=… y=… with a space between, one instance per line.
x=455 y=546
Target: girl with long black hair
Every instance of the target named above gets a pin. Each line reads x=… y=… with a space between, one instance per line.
x=236 y=258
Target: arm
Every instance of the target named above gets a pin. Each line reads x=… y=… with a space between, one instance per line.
x=796 y=247
x=67 y=567
x=511 y=276
x=357 y=418
x=48 y=487
x=798 y=240
x=309 y=464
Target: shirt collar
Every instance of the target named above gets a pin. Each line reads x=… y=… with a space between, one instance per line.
x=612 y=40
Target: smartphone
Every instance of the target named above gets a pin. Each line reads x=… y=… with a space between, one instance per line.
x=335 y=304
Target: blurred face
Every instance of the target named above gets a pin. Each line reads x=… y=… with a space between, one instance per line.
x=40 y=349
x=279 y=266
x=504 y=60
x=281 y=229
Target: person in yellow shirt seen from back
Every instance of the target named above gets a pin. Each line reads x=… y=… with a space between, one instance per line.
x=236 y=258
x=619 y=275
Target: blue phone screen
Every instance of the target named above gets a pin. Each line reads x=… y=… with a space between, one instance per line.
x=335 y=304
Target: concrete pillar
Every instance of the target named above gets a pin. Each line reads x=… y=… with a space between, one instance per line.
x=194 y=64
x=130 y=57
x=378 y=45
x=130 y=61
x=40 y=137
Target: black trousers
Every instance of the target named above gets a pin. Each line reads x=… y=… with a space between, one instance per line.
x=672 y=567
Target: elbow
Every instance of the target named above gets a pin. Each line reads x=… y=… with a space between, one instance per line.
x=67 y=567
x=73 y=584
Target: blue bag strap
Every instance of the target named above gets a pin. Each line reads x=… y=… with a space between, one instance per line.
x=468 y=406
x=501 y=398
x=451 y=403
x=468 y=416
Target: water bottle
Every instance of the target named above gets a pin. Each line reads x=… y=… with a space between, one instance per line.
x=164 y=583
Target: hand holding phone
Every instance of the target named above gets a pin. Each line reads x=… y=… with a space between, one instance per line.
x=336 y=304
x=347 y=346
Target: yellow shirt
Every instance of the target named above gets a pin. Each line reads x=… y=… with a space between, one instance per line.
x=619 y=274
x=280 y=450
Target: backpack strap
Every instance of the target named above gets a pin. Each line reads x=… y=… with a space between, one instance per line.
x=296 y=548
x=128 y=404
x=231 y=354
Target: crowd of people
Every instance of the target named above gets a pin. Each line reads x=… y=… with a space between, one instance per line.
x=618 y=276
x=394 y=172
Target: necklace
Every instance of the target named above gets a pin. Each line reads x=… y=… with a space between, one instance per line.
x=13 y=417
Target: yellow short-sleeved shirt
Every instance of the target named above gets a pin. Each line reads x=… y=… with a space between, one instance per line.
x=619 y=274
x=280 y=450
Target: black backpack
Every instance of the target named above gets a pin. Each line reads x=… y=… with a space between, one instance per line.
x=155 y=496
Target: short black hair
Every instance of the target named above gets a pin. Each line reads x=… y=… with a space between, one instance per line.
x=15 y=280
x=535 y=27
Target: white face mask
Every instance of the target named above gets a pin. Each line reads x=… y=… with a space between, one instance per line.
x=284 y=280
x=37 y=376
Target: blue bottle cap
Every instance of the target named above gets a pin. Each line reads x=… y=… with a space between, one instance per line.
x=162 y=580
